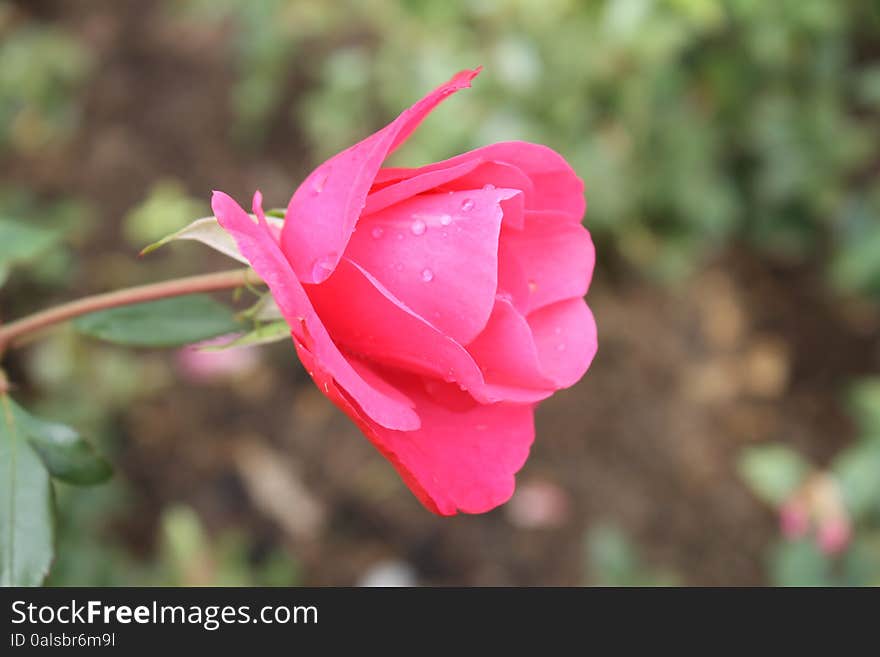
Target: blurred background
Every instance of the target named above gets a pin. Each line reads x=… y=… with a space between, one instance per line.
x=728 y=432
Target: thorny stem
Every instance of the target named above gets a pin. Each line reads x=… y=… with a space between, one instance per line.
x=17 y=331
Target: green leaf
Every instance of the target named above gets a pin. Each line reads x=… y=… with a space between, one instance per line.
x=799 y=563
x=263 y=334
x=210 y=233
x=66 y=455
x=611 y=556
x=21 y=242
x=613 y=561
x=857 y=471
x=165 y=323
x=27 y=528
x=772 y=472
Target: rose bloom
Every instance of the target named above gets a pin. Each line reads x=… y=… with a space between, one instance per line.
x=435 y=306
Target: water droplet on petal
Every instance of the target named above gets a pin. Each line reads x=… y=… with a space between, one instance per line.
x=323 y=267
x=377 y=232
x=488 y=187
x=418 y=227
x=467 y=205
x=319 y=182
x=560 y=346
x=445 y=220
x=532 y=286
x=427 y=275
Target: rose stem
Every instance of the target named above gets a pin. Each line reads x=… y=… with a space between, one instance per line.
x=15 y=332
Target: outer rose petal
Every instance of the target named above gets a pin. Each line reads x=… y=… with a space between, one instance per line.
x=565 y=336
x=325 y=209
x=464 y=456
x=554 y=184
x=438 y=253
x=257 y=244
x=513 y=284
x=555 y=255
x=506 y=351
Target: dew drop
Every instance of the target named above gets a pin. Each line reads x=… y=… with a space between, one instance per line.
x=418 y=227
x=323 y=266
x=445 y=220
x=488 y=187
x=319 y=182
x=467 y=205
x=532 y=286
x=427 y=275
x=376 y=232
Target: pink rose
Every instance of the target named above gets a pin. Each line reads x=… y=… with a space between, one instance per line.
x=435 y=306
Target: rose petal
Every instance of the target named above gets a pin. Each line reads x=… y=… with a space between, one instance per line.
x=437 y=253
x=367 y=319
x=324 y=210
x=464 y=456
x=505 y=351
x=464 y=175
x=417 y=184
x=554 y=184
x=264 y=254
x=557 y=257
x=462 y=459
x=513 y=284
x=565 y=337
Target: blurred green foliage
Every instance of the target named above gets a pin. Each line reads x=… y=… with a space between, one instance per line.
x=38 y=235
x=779 y=475
x=613 y=560
x=186 y=555
x=42 y=69
x=165 y=209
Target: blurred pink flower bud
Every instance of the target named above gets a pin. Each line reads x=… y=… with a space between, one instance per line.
x=833 y=535
x=202 y=366
x=538 y=505
x=794 y=520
